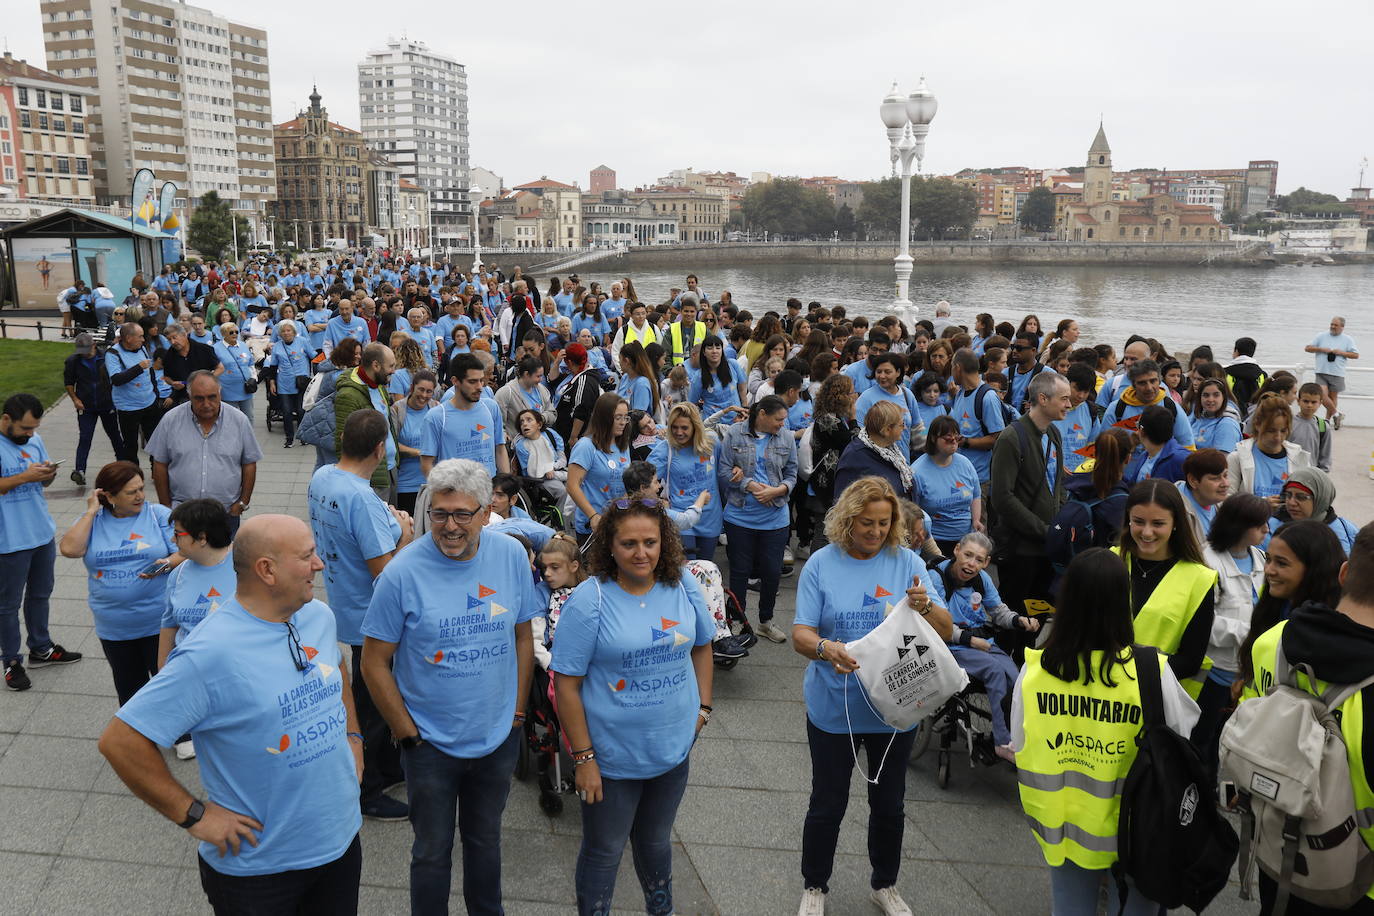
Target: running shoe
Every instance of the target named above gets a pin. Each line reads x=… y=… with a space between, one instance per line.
x=186 y=750
x=890 y=902
x=730 y=647
x=15 y=678
x=770 y=632
x=812 y=902
x=386 y=808
x=1336 y=419
x=787 y=558
x=55 y=655
x=79 y=478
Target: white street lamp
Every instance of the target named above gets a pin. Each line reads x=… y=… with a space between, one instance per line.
x=908 y=124
x=474 y=201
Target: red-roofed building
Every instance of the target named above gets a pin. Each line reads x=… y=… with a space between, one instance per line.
x=1153 y=219
x=559 y=215
x=322 y=178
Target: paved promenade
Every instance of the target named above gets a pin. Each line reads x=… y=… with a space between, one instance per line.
x=73 y=833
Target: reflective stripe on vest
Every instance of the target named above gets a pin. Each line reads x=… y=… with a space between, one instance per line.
x=1079 y=745
x=1170 y=608
x=679 y=353
x=1263 y=655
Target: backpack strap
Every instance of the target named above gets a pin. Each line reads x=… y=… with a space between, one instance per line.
x=1147 y=678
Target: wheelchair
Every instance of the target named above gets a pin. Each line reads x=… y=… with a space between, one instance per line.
x=963 y=724
x=543 y=752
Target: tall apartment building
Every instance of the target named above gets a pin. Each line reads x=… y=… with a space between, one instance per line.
x=43 y=138
x=414 y=106
x=178 y=89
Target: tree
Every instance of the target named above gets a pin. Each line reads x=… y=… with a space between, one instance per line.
x=940 y=207
x=845 y=223
x=212 y=228
x=1303 y=202
x=785 y=206
x=880 y=211
x=1037 y=213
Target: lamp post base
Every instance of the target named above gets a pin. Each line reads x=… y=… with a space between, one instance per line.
x=902 y=306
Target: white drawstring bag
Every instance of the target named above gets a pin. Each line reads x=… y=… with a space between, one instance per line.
x=906 y=670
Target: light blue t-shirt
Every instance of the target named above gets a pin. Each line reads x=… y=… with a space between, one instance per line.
x=906 y=403
x=718 y=396
x=123 y=605
x=474 y=433
x=137 y=393
x=238 y=368
x=271 y=740
x=928 y=412
x=564 y=301
x=1078 y=429
x=968 y=604
x=612 y=309
x=351 y=525
x=754 y=514
x=1204 y=516
x=337 y=330
x=25 y=522
x=1343 y=342
x=1270 y=474
x=635 y=655
x=799 y=415
x=636 y=392
x=454 y=625
x=843 y=598
x=947 y=494
x=1216 y=432
x=292 y=361
x=976 y=421
x=409 y=477
x=602 y=482
x=427 y=342
x=687 y=477
x=316 y=316
x=596 y=324
x=194 y=592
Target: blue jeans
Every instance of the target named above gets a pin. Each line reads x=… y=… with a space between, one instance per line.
x=26 y=578
x=469 y=793
x=699 y=547
x=245 y=407
x=832 y=764
x=759 y=553
x=290 y=405
x=641 y=811
x=998 y=673
x=330 y=889
x=1075 y=890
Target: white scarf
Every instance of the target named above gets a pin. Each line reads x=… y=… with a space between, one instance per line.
x=891 y=456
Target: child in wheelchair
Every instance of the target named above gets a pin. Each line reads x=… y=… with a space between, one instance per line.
x=978 y=613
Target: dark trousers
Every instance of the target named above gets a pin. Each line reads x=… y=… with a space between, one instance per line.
x=381 y=758
x=406 y=501
x=642 y=812
x=832 y=764
x=133 y=422
x=1214 y=704
x=756 y=553
x=85 y=424
x=1268 y=891
x=133 y=662
x=26 y=581
x=290 y=406
x=468 y=793
x=327 y=890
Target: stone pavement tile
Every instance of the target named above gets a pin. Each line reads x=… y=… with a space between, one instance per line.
x=55 y=810
x=759 y=682
x=718 y=762
x=386 y=854
x=58 y=715
x=108 y=826
x=89 y=678
x=21 y=877
x=16 y=706
x=990 y=834
x=45 y=762
x=185 y=772
x=98 y=887
x=73 y=636
x=70 y=611
x=1012 y=890
x=188 y=897
x=743 y=718
x=967 y=785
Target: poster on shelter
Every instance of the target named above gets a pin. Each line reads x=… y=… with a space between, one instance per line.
x=42 y=270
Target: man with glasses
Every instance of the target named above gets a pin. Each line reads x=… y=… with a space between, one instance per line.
x=1145 y=391
x=452 y=611
x=1022 y=368
x=358 y=535
x=979 y=412
x=861 y=373
x=263 y=689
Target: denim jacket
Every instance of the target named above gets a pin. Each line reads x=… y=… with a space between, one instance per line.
x=736 y=450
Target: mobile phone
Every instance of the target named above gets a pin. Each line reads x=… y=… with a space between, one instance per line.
x=155 y=568
x=57 y=464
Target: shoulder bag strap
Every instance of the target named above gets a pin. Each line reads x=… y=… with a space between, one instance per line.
x=1147 y=678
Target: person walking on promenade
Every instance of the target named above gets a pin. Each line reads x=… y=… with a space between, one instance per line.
x=132 y=388
x=365 y=387
x=278 y=826
x=456 y=698
x=1333 y=350
x=27 y=546
x=90 y=394
x=202 y=450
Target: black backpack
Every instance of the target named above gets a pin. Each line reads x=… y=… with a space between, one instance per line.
x=1171 y=841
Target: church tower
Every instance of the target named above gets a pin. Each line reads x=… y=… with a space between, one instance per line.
x=1097 y=177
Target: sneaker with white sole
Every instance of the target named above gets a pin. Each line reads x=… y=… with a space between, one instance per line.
x=186 y=750
x=890 y=902
x=812 y=902
x=787 y=557
x=1337 y=419
x=770 y=632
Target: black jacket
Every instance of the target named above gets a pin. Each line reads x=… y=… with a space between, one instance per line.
x=178 y=368
x=92 y=385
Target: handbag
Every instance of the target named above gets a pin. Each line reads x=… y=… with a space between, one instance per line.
x=250 y=385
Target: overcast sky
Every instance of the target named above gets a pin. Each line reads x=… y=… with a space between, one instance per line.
x=556 y=88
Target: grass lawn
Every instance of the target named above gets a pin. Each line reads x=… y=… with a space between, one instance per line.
x=34 y=366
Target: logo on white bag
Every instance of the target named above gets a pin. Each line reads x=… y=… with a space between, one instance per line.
x=905 y=648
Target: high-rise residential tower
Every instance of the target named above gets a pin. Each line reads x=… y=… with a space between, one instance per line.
x=414 y=107
x=180 y=89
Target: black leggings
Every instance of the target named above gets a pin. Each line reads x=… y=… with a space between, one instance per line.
x=133 y=662
x=131 y=423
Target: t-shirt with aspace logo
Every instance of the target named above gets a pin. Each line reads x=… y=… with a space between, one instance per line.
x=195 y=591
x=640 y=689
x=271 y=740
x=453 y=623
x=25 y=522
x=125 y=606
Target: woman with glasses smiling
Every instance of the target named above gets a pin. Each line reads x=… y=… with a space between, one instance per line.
x=947 y=486
x=237 y=359
x=597 y=461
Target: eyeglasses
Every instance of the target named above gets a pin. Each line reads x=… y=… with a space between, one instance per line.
x=180 y=534
x=1298 y=496
x=625 y=503
x=293 y=642
x=439 y=518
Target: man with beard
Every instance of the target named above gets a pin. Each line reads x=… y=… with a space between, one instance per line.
x=365 y=387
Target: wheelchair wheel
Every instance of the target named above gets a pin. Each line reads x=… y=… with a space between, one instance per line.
x=523 y=762
x=922 y=740
x=942 y=770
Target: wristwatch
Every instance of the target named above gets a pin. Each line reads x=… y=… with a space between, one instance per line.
x=193 y=814
x=820 y=648
x=411 y=742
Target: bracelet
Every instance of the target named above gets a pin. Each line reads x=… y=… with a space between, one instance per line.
x=705 y=715
x=820 y=648
x=583 y=751
x=519 y=717
x=585 y=758
x=355 y=735
x=707 y=707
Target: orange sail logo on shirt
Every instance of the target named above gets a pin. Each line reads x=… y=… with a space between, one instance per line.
x=484 y=592
x=282 y=745
x=438 y=657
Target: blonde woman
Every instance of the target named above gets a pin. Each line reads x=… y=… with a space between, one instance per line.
x=686 y=465
x=843 y=593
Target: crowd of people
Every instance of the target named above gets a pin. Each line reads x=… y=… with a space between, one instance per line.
x=518 y=487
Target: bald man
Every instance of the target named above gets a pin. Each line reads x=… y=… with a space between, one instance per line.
x=264 y=692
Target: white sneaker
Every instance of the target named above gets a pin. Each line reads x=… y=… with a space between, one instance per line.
x=770 y=632
x=787 y=558
x=1336 y=419
x=812 y=902
x=186 y=750
x=890 y=902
